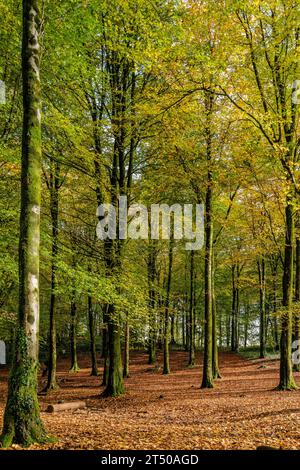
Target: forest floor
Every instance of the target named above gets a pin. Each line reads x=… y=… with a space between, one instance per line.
x=243 y=411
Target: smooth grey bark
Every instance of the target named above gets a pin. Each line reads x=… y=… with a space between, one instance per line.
x=22 y=422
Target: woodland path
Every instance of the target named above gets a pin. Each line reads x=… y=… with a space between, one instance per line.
x=171 y=412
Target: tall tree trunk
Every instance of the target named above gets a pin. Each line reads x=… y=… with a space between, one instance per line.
x=207 y=379
x=220 y=331
x=233 y=308
x=152 y=315
x=228 y=330
x=192 y=313
x=173 y=341
x=296 y=367
x=22 y=423
x=104 y=354
x=115 y=383
x=183 y=327
x=237 y=313
x=91 y=318
x=166 y=352
x=236 y=270
x=126 y=351
x=215 y=359
x=246 y=324
x=286 y=381
x=274 y=267
x=262 y=306
x=54 y=185
x=114 y=379
x=73 y=337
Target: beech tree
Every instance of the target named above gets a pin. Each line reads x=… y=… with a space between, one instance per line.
x=22 y=422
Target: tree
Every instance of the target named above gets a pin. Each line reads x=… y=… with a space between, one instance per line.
x=22 y=422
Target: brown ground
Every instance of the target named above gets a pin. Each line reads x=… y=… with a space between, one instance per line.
x=171 y=412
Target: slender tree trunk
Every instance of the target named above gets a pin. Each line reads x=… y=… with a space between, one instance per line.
x=237 y=314
x=104 y=354
x=183 y=327
x=22 y=423
x=126 y=351
x=220 y=331
x=54 y=185
x=262 y=304
x=187 y=328
x=228 y=331
x=192 y=313
x=94 y=371
x=246 y=324
x=296 y=367
x=286 y=373
x=207 y=379
x=274 y=267
x=215 y=359
x=73 y=337
x=233 y=308
x=173 y=341
x=152 y=314
x=166 y=366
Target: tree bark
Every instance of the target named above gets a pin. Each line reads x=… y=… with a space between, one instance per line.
x=207 y=379
x=22 y=422
x=54 y=185
x=151 y=292
x=192 y=313
x=296 y=367
x=274 y=267
x=262 y=305
x=166 y=352
x=286 y=381
x=235 y=271
x=215 y=360
x=126 y=351
x=73 y=337
x=91 y=318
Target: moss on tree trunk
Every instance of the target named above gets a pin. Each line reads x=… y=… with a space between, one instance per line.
x=22 y=423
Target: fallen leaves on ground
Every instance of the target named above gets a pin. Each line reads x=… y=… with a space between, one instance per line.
x=169 y=412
